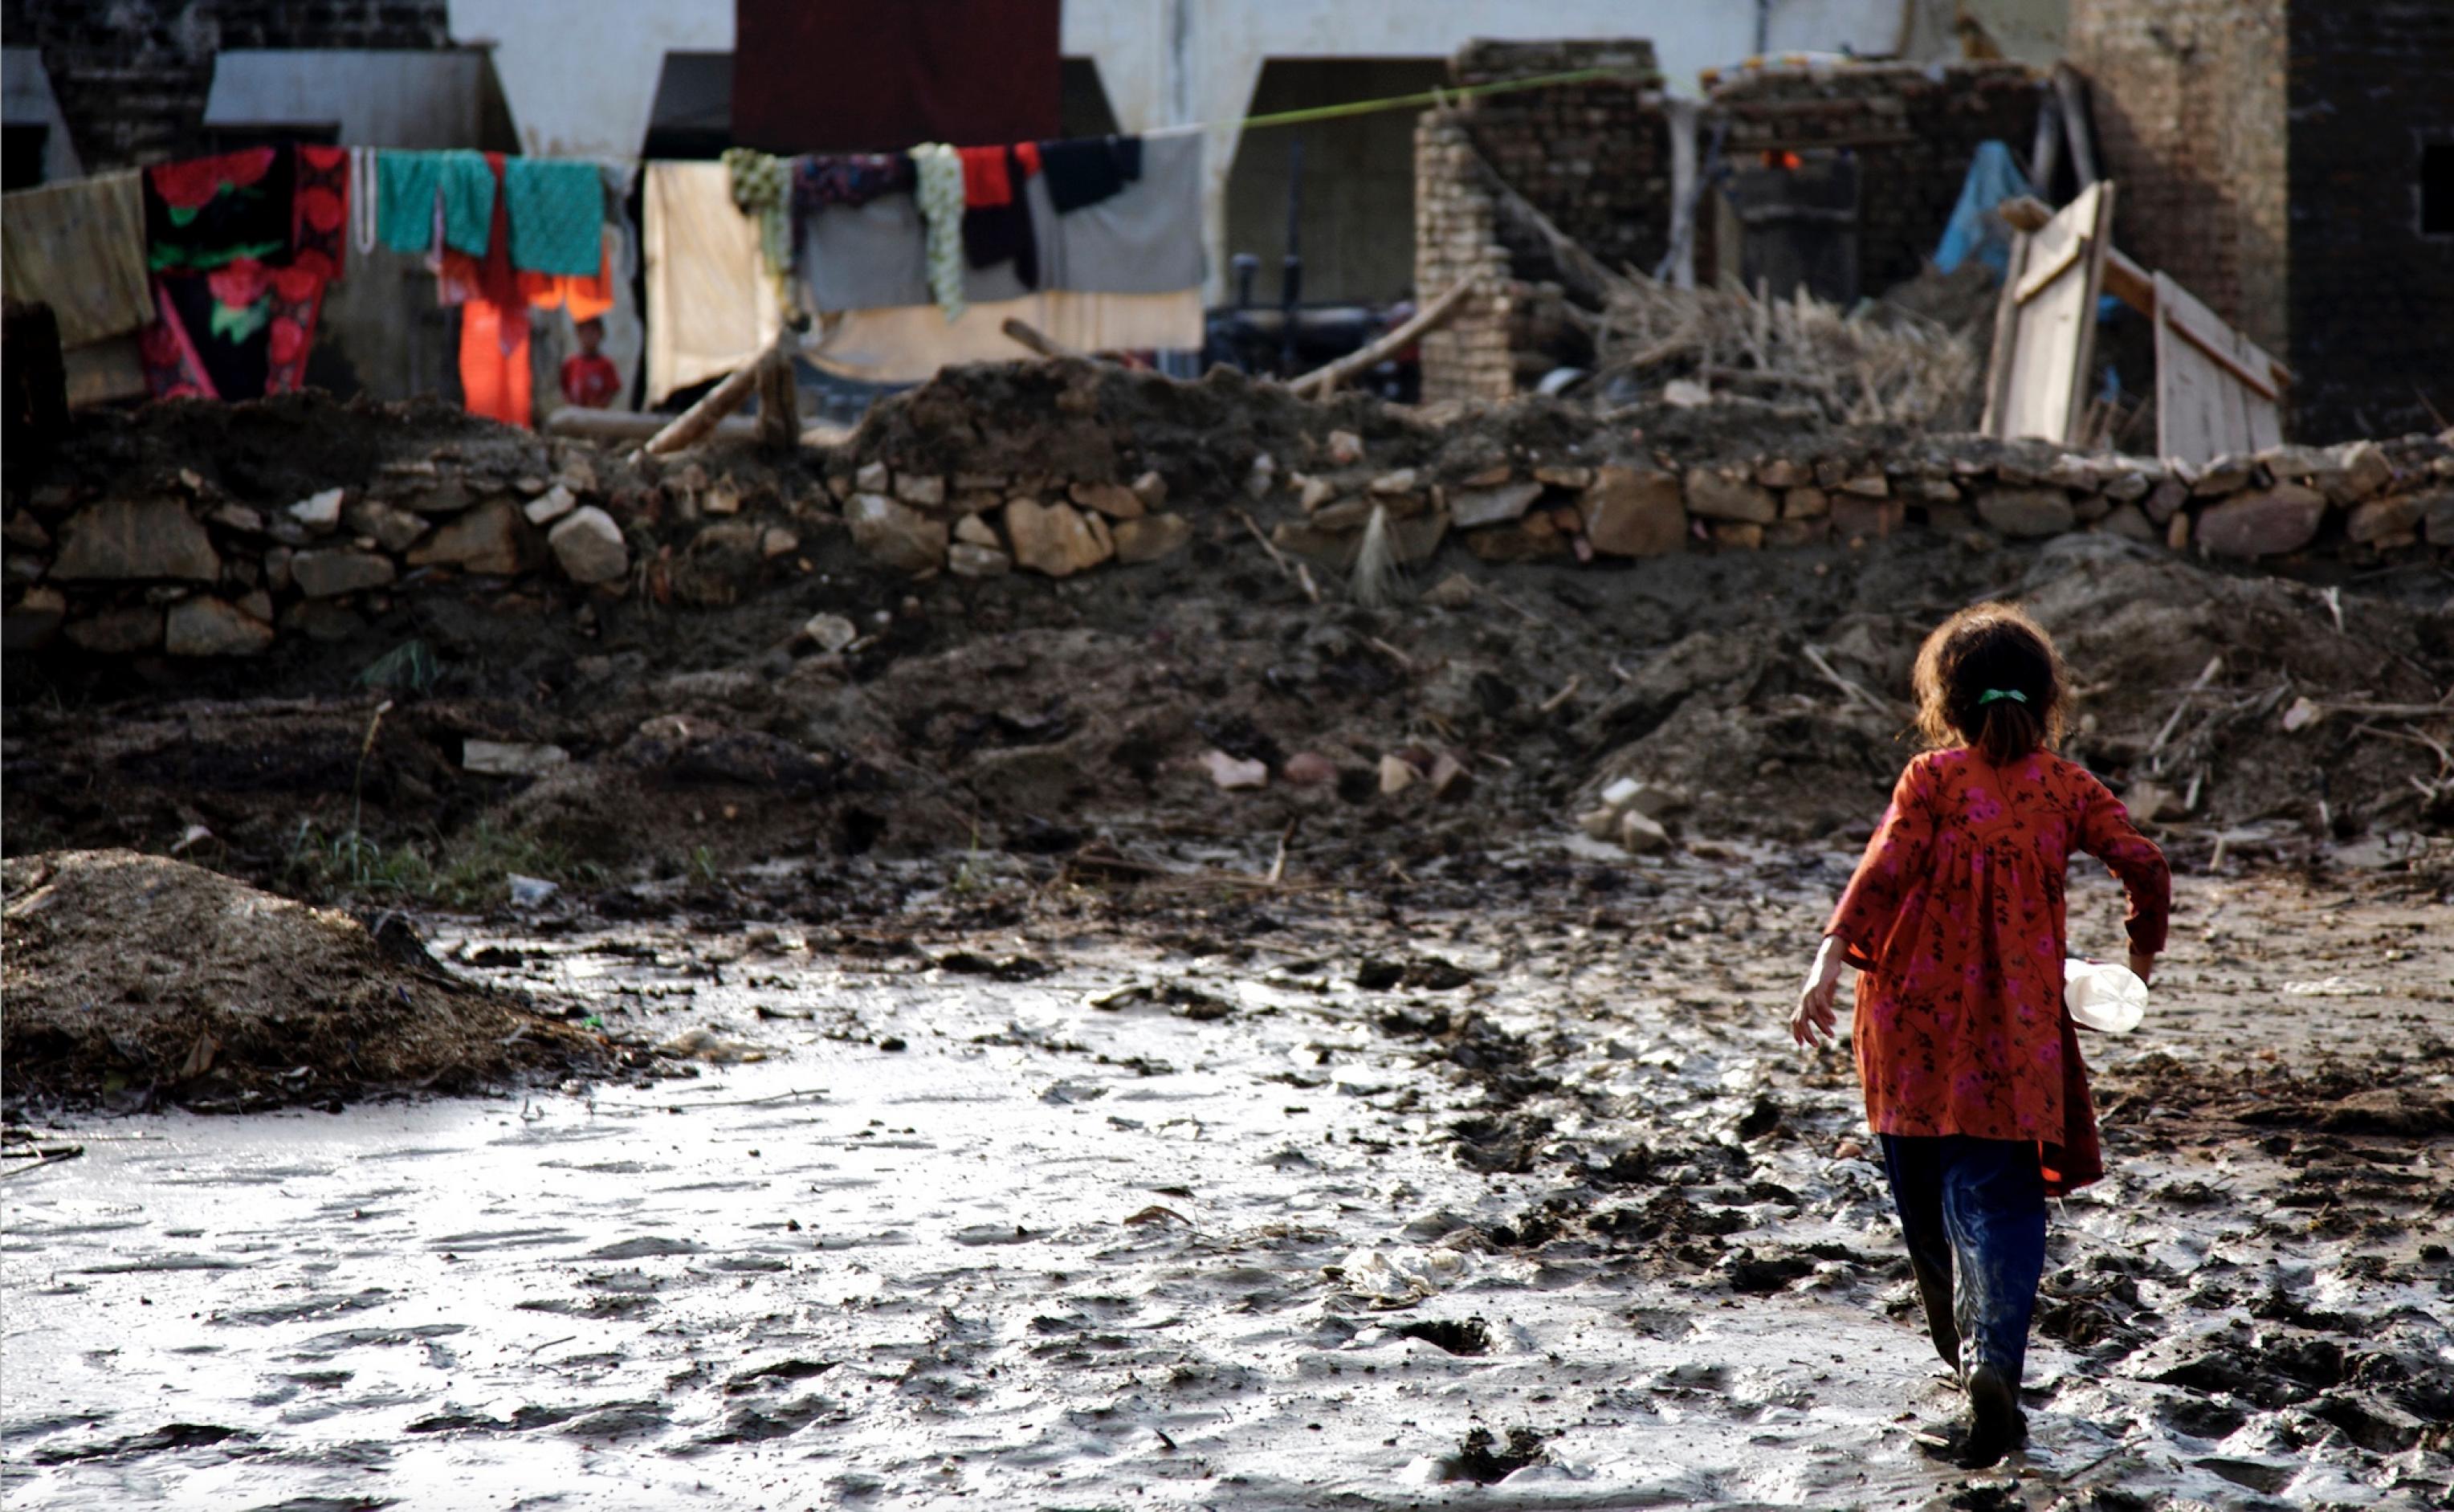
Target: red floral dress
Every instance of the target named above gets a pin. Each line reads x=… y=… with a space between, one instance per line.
x=1956 y=916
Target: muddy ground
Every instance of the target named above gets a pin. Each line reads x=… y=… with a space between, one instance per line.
x=1299 y=1198
x=1011 y=1115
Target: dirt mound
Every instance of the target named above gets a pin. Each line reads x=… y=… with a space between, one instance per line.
x=136 y=974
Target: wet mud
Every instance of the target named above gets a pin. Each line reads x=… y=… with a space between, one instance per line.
x=1304 y=1198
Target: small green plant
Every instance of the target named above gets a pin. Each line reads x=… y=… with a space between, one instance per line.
x=410 y=665
x=467 y=869
x=969 y=877
x=702 y=864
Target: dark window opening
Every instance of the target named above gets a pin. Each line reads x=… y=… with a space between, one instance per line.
x=25 y=146
x=223 y=138
x=2437 y=188
x=693 y=113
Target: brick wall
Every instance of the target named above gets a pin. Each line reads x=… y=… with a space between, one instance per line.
x=132 y=76
x=1594 y=157
x=2371 y=300
x=2189 y=109
x=1457 y=238
x=1913 y=134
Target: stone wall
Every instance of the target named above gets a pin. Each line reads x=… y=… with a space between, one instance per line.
x=2371 y=300
x=132 y=76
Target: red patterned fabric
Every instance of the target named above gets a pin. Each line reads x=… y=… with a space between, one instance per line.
x=319 y=209
x=1956 y=916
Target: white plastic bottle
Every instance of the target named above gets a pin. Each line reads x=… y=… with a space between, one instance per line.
x=2104 y=995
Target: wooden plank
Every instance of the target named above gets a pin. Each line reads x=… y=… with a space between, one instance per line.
x=2006 y=336
x=2052 y=332
x=2209 y=396
x=2128 y=282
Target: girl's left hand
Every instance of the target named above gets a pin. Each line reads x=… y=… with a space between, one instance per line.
x=1815 y=1019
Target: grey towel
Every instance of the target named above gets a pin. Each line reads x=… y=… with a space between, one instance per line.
x=1144 y=239
x=875 y=256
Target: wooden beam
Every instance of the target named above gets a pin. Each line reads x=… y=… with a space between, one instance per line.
x=1432 y=317
x=700 y=418
x=1031 y=336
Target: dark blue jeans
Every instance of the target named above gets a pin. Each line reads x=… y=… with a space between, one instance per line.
x=1974 y=1212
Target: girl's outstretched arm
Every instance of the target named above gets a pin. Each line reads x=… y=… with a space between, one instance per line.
x=1814 y=1019
x=1895 y=859
x=2106 y=832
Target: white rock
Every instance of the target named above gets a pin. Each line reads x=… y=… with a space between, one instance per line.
x=969 y=559
x=1230 y=775
x=507 y=758
x=831 y=632
x=550 y=505
x=1641 y=833
x=872 y=479
x=318 y=512
x=590 y=545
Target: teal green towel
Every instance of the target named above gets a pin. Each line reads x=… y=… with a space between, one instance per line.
x=405 y=189
x=467 y=201
x=558 y=213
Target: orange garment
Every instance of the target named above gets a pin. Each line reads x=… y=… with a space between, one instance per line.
x=1956 y=918
x=585 y=299
x=495 y=379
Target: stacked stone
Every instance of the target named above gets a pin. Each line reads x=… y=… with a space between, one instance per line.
x=988 y=524
x=188 y=570
x=1457 y=239
x=1913 y=130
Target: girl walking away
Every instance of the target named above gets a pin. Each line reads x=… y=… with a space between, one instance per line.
x=1971 y=1067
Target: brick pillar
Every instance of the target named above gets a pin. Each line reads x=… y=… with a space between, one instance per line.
x=1456 y=237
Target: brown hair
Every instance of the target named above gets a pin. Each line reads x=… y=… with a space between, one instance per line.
x=1991 y=649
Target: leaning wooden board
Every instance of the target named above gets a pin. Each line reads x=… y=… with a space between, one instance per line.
x=2044 y=328
x=2216 y=391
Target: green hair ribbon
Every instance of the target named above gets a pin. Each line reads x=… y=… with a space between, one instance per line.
x=1992 y=693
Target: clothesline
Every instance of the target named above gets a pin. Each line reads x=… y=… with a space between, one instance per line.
x=1399 y=102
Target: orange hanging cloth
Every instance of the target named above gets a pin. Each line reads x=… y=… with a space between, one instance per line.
x=495 y=379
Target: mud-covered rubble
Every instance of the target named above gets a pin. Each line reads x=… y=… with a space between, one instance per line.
x=144 y=980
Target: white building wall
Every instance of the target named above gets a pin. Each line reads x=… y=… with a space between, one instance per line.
x=1162 y=62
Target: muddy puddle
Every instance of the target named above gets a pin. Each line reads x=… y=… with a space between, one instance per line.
x=1343 y=1203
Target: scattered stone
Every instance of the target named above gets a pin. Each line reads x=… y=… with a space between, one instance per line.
x=528 y=484
x=898 y=537
x=550 y=505
x=925 y=489
x=2437 y=521
x=1309 y=769
x=1401 y=481
x=506 y=758
x=2149 y=801
x=2026 y=513
x=491 y=540
x=2364 y=471
x=1450 y=778
x=330 y=575
x=1345 y=448
x=1626 y=795
x=1576 y=479
x=2385 y=520
x=229 y=515
x=1151 y=537
x=1115 y=500
x=205 y=626
x=2228 y=474
x=1713 y=496
x=968 y=559
x=136 y=540
x=118 y=632
x=1782 y=472
x=1054 y=538
x=1642 y=834
x=1397 y=774
x=1852 y=517
x=1601 y=824
x=829 y=633
x=1151 y=489
x=1264 y=475
x=973 y=531
x=394 y=529
x=32 y=620
x=1317 y=494
x=1633 y=511
x=1456 y=591
x=1805 y=504
x=1491 y=477
x=1685 y=394
x=872 y=477
x=2166 y=500
x=2268 y=523
x=2131 y=523
x=778 y=541
x=1229 y=774
x=318 y=512
x=1474 y=508
x=590 y=545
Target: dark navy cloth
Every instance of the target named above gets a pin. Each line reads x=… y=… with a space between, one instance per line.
x=1974 y=1213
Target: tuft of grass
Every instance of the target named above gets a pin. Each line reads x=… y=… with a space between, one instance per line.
x=466 y=869
x=410 y=665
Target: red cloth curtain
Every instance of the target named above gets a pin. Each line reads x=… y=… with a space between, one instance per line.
x=873 y=76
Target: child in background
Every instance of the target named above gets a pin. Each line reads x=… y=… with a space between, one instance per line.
x=1970 y=1065
x=589 y=379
